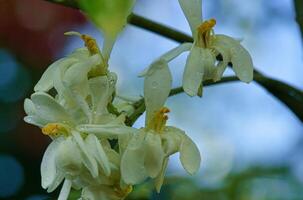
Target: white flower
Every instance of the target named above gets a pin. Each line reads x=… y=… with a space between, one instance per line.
x=70 y=156
x=148 y=151
x=201 y=61
x=83 y=89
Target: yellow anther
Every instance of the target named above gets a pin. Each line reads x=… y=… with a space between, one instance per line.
x=159 y=119
x=93 y=49
x=207 y=25
x=204 y=32
x=89 y=42
x=54 y=129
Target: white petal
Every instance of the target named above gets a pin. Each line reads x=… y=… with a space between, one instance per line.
x=96 y=150
x=189 y=155
x=46 y=81
x=48 y=109
x=48 y=164
x=58 y=180
x=64 y=193
x=160 y=178
x=68 y=158
x=132 y=161
x=154 y=154
x=194 y=70
x=170 y=55
x=76 y=79
x=192 y=10
x=106 y=130
x=157 y=85
x=29 y=107
x=87 y=158
x=240 y=58
x=222 y=65
x=99 y=90
x=171 y=140
x=35 y=120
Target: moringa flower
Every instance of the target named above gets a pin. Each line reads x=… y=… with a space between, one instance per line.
x=201 y=61
x=83 y=90
x=148 y=151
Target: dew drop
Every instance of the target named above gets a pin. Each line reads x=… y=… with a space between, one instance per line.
x=154 y=84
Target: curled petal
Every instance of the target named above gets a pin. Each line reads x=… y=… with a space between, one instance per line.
x=240 y=58
x=106 y=130
x=192 y=10
x=222 y=65
x=160 y=178
x=49 y=109
x=68 y=158
x=132 y=161
x=64 y=193
x=88 y=160
x=198 y=60
x=157 y=85
x=57 y=181
x=171 y=140
x=189 y=155
x=48 y=165
x=46 y=81
x=154 y=154
x=170 y=55
x=97 y=151
x=99 y=90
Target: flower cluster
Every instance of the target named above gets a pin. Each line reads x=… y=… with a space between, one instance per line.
x=92 y=149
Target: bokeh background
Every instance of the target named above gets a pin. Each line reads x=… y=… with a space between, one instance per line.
x=251 y=144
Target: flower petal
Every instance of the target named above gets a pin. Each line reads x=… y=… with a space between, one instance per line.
x=226 y=58
x=132 y=161
x=48 y=109
x=64 y=193
x=93 y=144
x=46 y=81
x=68 y=158
x=192 y=10
x=35 y=120
x=198 y=60
x=157 y=85
x=154 y=154
x=29 y=107
x=106 y=131
x=240 y=58
x=58 y=180
x=48 y=165
x=88 y=160
x=160 y=178
x=76 y=79
x=189 y=155
x=173 y=53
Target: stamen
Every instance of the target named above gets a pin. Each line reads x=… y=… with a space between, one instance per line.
x=158 y=122
x=89 y=42
x=54 y=129
x=93 y=49
x=205 y=31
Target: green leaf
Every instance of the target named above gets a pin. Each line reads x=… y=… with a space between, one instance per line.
x=289 y=95
x=109 y=15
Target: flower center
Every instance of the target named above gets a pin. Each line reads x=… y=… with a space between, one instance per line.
x=158 y=121
x=55 y=129
x=205 y=31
